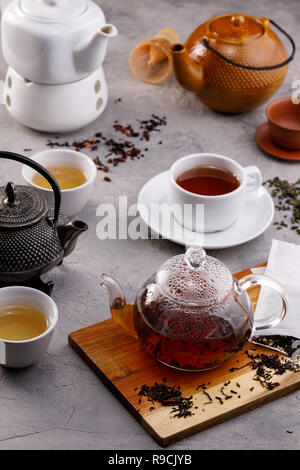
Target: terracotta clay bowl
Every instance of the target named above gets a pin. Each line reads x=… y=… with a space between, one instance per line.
x=284 y=123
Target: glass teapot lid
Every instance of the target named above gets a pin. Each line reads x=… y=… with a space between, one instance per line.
x=194 y=278
x=52 y=11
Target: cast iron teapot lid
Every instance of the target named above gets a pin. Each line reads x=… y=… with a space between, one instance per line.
x=194 y=278
x=21 y=206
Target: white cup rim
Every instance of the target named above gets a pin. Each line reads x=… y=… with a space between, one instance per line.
x=36 y=157
x=41 y=294
x=203 y=196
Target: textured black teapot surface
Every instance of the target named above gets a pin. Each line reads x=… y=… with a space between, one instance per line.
x=34 y=237
x=21 y=206
x=29 y=242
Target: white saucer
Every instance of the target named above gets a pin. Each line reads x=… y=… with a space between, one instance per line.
x=255 y=219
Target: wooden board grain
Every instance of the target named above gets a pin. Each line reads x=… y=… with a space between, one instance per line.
x=124 y=366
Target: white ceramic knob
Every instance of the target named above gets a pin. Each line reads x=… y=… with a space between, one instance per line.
x=53 y=2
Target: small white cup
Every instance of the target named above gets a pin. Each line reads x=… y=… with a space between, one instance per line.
x=18 y=354
x=221 y=211
x=74 y=199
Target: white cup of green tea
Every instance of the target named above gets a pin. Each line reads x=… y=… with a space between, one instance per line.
x=74 y=171
x=27 y=321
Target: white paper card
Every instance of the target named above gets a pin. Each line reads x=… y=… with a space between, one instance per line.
x=284 y=266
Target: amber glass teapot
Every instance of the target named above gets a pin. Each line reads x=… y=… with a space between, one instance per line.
x=233 y=62
x=192 y=314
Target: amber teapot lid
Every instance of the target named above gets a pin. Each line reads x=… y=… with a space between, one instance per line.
x=239 y=30
x=237 y=27
x=194 y=278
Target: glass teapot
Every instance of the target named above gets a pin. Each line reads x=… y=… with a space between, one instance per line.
x=192 y=314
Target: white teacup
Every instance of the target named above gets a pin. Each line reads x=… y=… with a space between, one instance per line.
x=221 y=211
x=74 y=199
x=17 y=354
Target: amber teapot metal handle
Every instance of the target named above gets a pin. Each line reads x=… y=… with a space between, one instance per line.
x=45 y=173
x=267 y=281
x=250 y=67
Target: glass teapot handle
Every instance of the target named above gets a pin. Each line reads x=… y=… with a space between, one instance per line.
x=267 y=281
x=40 y=169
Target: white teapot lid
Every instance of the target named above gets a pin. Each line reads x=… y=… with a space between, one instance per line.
x=53 y=10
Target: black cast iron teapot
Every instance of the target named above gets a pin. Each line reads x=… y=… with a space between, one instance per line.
x=33 y=237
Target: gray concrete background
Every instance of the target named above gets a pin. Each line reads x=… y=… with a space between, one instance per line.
x=59 y=403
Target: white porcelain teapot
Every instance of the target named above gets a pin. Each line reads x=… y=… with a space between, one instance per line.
x=55 y=50
x=54 y=41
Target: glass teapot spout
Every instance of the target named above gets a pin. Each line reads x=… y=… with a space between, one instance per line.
x=121 y=312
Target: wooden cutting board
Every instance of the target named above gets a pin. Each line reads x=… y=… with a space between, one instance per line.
x=124 y=366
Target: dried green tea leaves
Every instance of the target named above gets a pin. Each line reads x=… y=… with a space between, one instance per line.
x=287 y=196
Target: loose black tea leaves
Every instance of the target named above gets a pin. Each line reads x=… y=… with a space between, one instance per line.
x=225 y=394
x=287 y=196
x=208 y=396
x=282 y=343
x=168 y=395
x=233 y=369
x=117 y=151
x=266 y=367
x=202 y=386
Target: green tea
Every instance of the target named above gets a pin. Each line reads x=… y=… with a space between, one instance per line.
x=68 y=177
x=21 y=322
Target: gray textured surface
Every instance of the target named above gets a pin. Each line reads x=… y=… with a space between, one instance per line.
x=59 y=403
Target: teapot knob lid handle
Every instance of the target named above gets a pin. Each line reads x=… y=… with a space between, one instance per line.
x=10 y=193
x=195 y=258
x=53 y=2
x=237 y=20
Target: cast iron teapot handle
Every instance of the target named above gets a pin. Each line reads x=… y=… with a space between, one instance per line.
x=45 y=173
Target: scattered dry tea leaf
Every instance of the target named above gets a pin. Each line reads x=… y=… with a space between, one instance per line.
x=287 y=196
